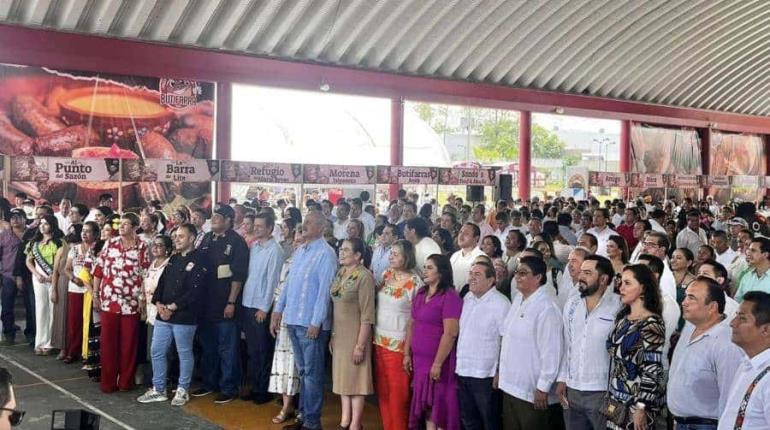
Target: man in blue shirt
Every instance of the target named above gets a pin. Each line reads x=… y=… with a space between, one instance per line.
x=388 y=233
x=304 y=305
x=266 y=260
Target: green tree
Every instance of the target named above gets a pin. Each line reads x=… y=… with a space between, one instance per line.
x=500 y=140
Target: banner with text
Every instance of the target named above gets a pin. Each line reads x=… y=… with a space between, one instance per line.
x=407 y=175
x=273 y=173
x=607 y=179
x=715 y=181
x=467 y=176
x=155 y=170
x=55 y=169
x=339 y=175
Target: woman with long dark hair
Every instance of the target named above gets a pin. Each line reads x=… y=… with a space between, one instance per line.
x=682 y=267
x=617 y=252
x=430 y=348
x=637 y=379
x=491 y=246
x=444 y=240
x=43 y=251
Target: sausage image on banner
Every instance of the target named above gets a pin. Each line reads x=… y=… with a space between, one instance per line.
x=71 y=114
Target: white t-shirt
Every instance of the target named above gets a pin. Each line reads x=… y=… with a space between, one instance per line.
x=424 y=249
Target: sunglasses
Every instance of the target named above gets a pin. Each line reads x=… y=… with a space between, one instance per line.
x=15 y=417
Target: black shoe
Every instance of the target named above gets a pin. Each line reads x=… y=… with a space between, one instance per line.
x=224 y=398
x=200 y=392
x=261 y=399
x=249 y=397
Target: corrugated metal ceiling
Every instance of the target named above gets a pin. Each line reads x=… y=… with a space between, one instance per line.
x=709 y=54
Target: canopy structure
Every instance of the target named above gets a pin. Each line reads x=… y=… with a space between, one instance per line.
x=695 y=63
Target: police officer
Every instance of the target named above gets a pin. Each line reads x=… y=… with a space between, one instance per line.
x=178 y=299
x=219 y=335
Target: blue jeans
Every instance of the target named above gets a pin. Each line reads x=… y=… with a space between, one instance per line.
x=695 y=426
x=221 y=359
x=162 y=336
x=310 y=357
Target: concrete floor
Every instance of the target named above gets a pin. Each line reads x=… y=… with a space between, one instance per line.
x=43 y=384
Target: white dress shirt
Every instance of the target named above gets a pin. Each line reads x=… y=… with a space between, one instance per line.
x=341 y=229
x=758 y=409
x=567 y=289
x=656 y=226
x=726 y=258
x=368 y=221
x=531 y=348
x=602 y=237
x=64 y=222
x=502 y=234
x=639 y=250
x=667 y=281
x=704 y=365
x=424 y=249
x=731 y=308
x=671 y=314
x=585 y=363
x=691 y=240
x=461 y=265
x=478 y=345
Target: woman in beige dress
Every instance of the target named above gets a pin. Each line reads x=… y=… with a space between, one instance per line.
x=353 y=301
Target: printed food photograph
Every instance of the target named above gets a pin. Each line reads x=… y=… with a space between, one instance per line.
x=51 y=113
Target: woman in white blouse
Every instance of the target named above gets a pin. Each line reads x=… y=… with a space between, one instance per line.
x=394 y=306
x=161 y=250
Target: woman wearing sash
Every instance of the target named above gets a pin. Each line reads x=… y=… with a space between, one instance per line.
x=81 y=256
x=44 y=248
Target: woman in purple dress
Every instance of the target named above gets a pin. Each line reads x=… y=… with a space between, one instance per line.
x=429 y=350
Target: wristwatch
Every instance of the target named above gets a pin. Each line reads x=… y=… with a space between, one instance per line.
x=640 y=405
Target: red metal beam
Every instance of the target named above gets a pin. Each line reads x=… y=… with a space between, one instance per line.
x=396 y=140
x=525 y=154
x=223 y=130
x=74 y=51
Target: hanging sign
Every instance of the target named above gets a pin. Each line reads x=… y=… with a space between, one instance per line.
x=30 y=168
x=155 y=170
x=273 y=173
x=326 y=174
x=407 y=175
x=467 y=176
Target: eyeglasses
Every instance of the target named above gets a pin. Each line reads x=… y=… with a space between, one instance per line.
x=653 y=244
x=15 y=417
x=522 y=273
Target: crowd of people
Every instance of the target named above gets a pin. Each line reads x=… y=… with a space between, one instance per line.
x=529 y=315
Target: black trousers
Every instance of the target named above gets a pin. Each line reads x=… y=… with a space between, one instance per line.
x=260 y=346
x=479 y=403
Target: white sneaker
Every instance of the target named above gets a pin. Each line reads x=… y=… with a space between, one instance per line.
x=180 y=398
x=152 y=396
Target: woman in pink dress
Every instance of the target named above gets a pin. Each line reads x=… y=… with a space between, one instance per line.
x=430 y=349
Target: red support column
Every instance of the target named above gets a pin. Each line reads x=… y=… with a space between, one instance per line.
x=705 y=155
x=224 y=103
x=525 y=154
x=396 y=139
x=625 y=146
x=766 y=139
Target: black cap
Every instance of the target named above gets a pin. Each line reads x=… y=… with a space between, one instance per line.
x=225 y=210
x=18 y=212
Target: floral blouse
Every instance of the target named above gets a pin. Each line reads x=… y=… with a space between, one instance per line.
x=121 y=271
x=394 y=308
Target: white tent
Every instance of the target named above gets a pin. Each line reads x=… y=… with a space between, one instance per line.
x=307 y=127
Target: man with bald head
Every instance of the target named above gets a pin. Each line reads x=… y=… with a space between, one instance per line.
x=304 y=305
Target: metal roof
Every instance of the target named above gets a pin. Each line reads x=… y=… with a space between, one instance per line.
x=706 y=54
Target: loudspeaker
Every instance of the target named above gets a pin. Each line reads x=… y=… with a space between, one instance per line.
x=474 y=193
x=504 y=187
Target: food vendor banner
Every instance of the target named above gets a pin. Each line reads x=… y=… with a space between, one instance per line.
x=734 y=154
x=681 y=181
x=715 y=181
x=328 y=174
x=86 y=115
x=271 y=173
x=407 y=175
x=154 y=170
x=607 y=179
x=665 y=150
x=650 y=180
x=744 y=181
x=577 y=177
x=467 y=176
x=56 y=169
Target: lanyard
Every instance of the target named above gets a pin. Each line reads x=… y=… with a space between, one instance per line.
x=745 y=402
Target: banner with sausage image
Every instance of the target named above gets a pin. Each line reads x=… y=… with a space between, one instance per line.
x=193 y=170
x=97 y=116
